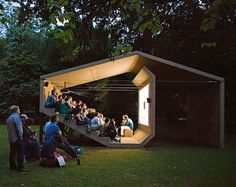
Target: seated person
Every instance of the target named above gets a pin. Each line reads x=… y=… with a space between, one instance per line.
x=59 y=103
x=66 y=107
x=79 y=103
x=110 y=129
x=83 y=106
x=74 y=107
x=53 y=130
x=80 y=120
x=48 y=152
x=95 y=123
x=91 y=113
x=31 y=146
x=102 y=118
x=127 y=123
x=70 y=102
x=51 y=100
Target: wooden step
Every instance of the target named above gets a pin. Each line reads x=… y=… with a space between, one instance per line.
x=83 y=130
x=126 y=142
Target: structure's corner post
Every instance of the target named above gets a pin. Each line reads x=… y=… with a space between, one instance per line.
x=41 y=125
x=41 y=95
x=222 y=112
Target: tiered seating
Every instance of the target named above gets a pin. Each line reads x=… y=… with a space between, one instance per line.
x=83 y=130
x=135 y=141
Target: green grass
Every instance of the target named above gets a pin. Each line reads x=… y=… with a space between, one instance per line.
x=160 y=166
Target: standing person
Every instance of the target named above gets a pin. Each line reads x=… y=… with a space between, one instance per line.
x=31 y=145
x=15 y=134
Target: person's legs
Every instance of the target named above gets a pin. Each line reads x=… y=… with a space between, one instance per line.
x=87 y=121
x=66 y=146
x=101 y=130
x=122 y=130
x=27 y=151
x=113 y=135
x=98 y=128
x=33 y=150
x=36 y=153
x=48 y=162
x=12 y=156
x=20 y=154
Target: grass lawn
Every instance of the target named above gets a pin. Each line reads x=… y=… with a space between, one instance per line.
x=155 y=167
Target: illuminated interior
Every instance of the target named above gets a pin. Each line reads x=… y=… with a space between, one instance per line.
x=144 y=105
x=144 y=81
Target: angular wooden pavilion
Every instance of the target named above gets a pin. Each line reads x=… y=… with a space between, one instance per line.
x=204 y=126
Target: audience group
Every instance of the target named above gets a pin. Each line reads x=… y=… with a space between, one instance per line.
x=89 y=117
x=23 y=140
x=24 y=145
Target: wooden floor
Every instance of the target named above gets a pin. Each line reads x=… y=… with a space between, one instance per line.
x=137 y=138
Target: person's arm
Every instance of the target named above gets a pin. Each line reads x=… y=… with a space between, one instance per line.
x=58 y=131
x=130 y=124
x=55 y=99
x=79 y=117
x=98 y=121
x=19 y=127
x=123 y=122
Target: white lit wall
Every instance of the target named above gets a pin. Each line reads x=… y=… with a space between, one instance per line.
x=143 y=105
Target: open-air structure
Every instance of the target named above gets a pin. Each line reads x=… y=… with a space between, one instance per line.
x=205 y=102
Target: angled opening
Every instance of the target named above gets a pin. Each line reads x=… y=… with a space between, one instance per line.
x=138 y=96
x=204 y=126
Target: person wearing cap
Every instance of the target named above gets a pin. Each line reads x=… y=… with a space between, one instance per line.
x=23 y=117
x=31 y=145
x=15 y=134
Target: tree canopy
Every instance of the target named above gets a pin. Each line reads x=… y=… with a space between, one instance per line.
x=45 y=36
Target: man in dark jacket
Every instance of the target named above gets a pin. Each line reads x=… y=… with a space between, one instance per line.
x=110 y=129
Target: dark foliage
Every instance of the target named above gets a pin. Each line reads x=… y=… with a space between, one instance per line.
x=200 y=34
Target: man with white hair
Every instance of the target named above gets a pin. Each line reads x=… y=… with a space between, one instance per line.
x=15 y=133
